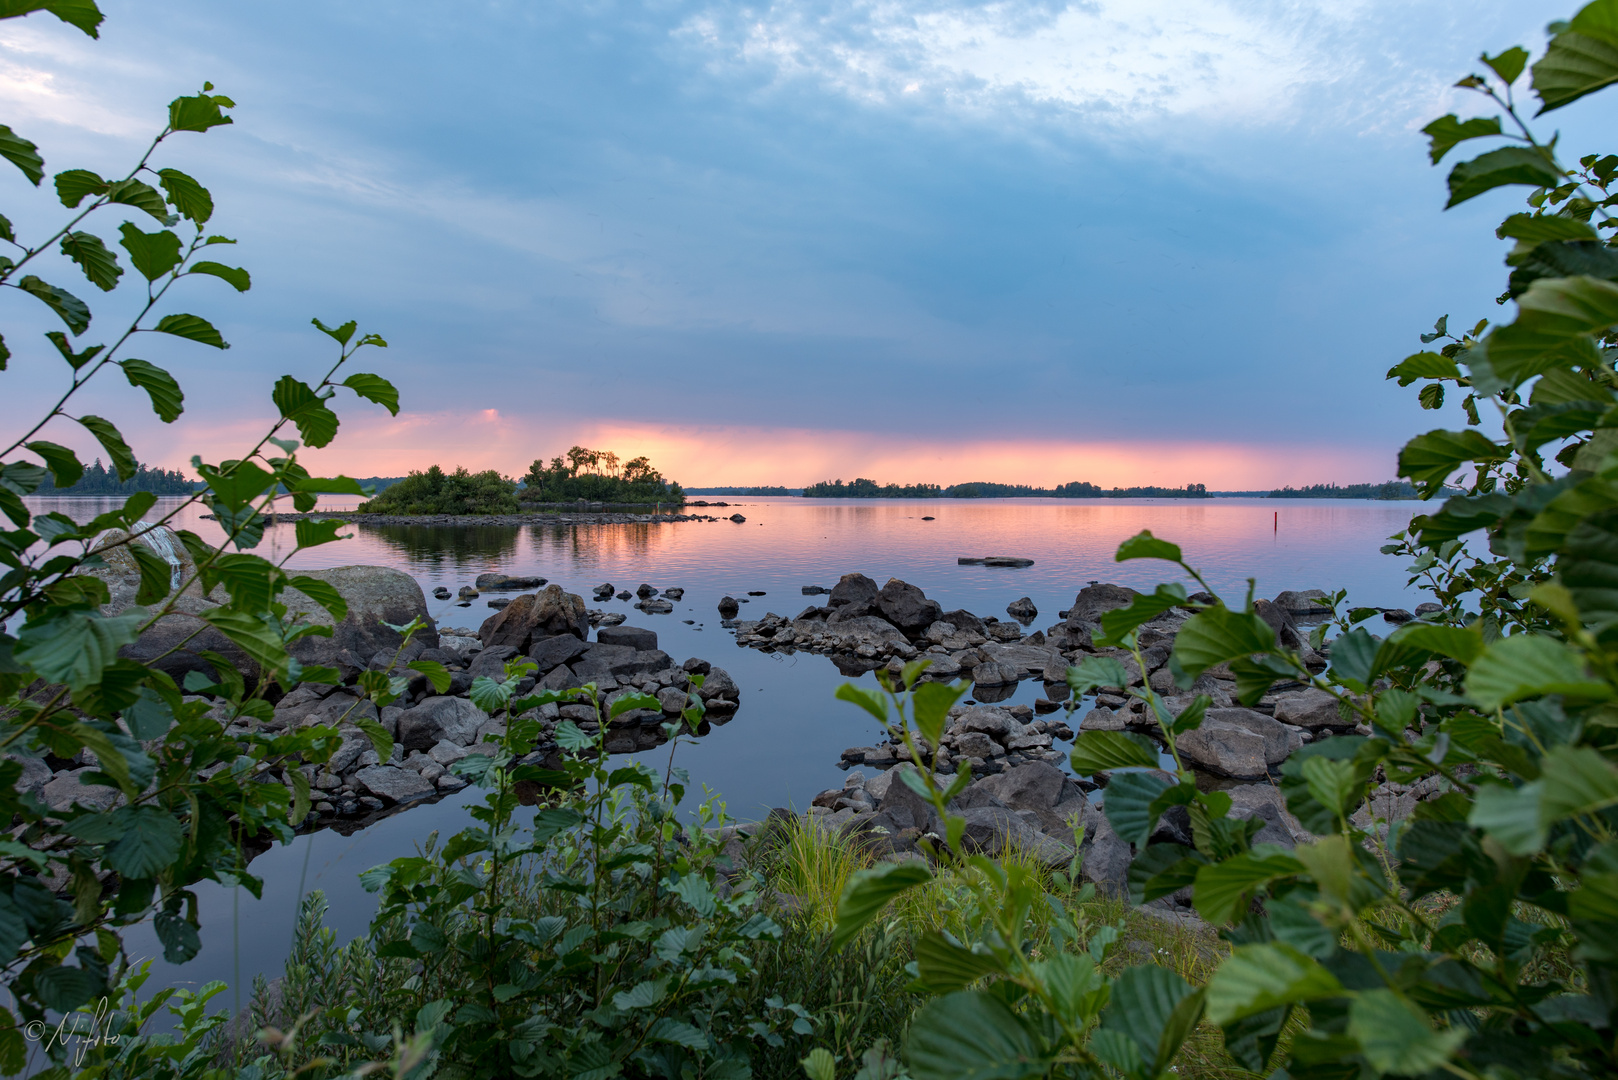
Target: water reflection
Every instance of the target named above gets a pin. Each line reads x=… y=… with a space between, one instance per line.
x=447 y=547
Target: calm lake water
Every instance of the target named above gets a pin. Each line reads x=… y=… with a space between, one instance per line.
x=783 y=746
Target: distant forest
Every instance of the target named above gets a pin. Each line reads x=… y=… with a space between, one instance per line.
x=100 y=480
x=1392 y=489
x=741 y=491
x=869 y=489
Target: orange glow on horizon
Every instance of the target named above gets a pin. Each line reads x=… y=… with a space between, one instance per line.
x=735 y=455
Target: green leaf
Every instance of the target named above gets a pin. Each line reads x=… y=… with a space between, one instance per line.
x=249 y=632
x=930 y=703
x=1156 y=1009
x=235 y=276
x=489 y=695
x=323 y=593
x=1396 y=1037
x=73 y=185
x=74 y=647
x=168 y=402
x=631 y=702
x=1332 y=783
x=1569 y=306
x=340 y=334
x=374 y=388
x=1429 y=460
x=869 y=700
x=314 y=533
x=1223 y=889
x=1576 y=781
x=1509 y=64
x=1143 y=545
x=1218 y=635
x=381 y=741
x=66 y=469
x=1526 y=666
x=199 y=113
x=99 y=264
x=1574 y=65
x=69 y=308
x=187 y=196
x=819 y=1065
x=150 y=717
x=1538 y=228
x=971 y=1035
x=298 y=403
x=1510 y=815
x=23 y=154
x=123 y=458
x=142 y=197
x=944 y=966
x=1129 y=804
x=1448 y=130
x=151 y=843
x=153 y=254
x=436 y=673
x=1094 y=672
x=75 y=360
x=1098 y=751
x=1254 y=978
x=1507 y=165
x=868 y=892
x=1143 y=609
x=192 y=328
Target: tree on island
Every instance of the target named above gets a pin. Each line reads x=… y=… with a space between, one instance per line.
x=598 y=476
x=438 y=492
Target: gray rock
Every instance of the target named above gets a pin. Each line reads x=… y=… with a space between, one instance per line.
x=994 y=830
x=1033 y=785
x=447 y=753
x=1022 y=609
x=1302 y=602
x=907 y=607
x=975 y=744
x=1397 y=615
x=964 y=621
x=1277 y=739
x=1233 y=748
x=719 y=684
x=619 y=661
x=560 y=678
x=729 y=607
x=1312 y=709
x=674 y=593
x=450 y=782
x=994 y=722
x=35 y=774
x=438 y=718
x=376 y=596
x=1105 y=858
x=1096 y=600
x=1279 y=620
x=656 y=606
x=1264 y=801
x=995 y=673
x=673 y=700
x=1101 y=718
x=442 y=593
x=550 y=653
x=645 y=592
x=855 y=589
x=393 y=783
x=1424 y=610
x=69 y=788
x=635 y=637
x=491 y=662
x=348 y=753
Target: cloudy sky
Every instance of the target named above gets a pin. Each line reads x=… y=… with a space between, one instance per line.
x=1128 y=241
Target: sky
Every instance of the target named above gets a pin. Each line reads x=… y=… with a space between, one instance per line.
x=1026 y=241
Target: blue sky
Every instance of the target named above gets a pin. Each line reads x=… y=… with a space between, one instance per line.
x=1025 y=241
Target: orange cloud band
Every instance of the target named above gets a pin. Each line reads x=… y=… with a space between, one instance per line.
x=724 y=455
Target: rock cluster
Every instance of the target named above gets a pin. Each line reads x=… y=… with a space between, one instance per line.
x=989 y=738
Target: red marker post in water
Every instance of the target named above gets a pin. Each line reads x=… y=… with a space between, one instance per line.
x=1277 y=521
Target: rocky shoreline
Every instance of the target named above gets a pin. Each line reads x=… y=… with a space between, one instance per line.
x=1020 y=795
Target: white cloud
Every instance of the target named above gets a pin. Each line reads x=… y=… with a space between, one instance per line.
x=1113 y=62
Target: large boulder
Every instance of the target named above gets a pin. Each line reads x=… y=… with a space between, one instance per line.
x=1302 y=602
x=1094 y=601
x=994 y=830
x=394 y=784
x=1238 y=743
x=963 y=620
x=1106 y=858
x=536 y=616
x=122 y=574
x=907 y=607
x=1280 y=620
x=376 y=595
x=1033 y=785
x=854 y=589
x=436 y=718
x=72 y=788
x=175 y=643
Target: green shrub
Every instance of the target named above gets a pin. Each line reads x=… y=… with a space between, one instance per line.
x=438 y=492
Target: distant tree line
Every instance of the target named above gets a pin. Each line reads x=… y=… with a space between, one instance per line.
x=765 y=490
x=978 y=489
x=100 y=480
x=1392 y=489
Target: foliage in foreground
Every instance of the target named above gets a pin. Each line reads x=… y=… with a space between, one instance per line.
x=1479 y=935
x=438 y=492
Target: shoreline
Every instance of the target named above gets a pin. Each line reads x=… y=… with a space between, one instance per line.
x=354 y=517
